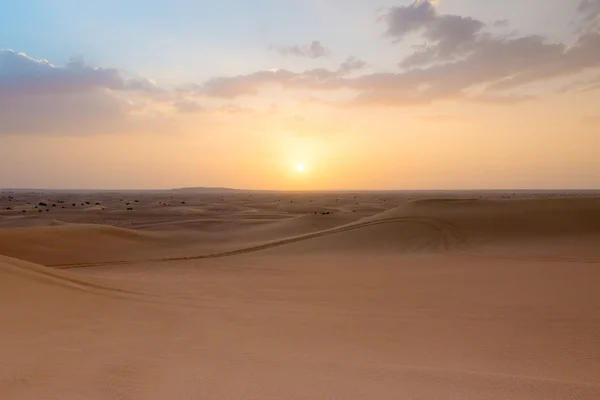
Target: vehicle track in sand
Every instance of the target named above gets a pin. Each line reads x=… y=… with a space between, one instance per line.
x=53 y=277
x=449 y=238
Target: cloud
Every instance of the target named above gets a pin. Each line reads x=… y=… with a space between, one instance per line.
x=75 y=113
x=507 y=99
x=407 y=19
x=313 y=50
x=188 y=106
x=450 y=35
x=21 y=74
x=491 y=66
x=248 y=85
x=351 y=64
x=235 y=109
x=498 y=65
x=39 y=97
x=231 y=87
x=460 y=54
x=590 y=15
x=555 y=61
x=441 y=118
x=251 y=84
x=501 y=23
x=462 y=59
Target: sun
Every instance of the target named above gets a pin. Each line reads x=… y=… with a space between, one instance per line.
x=300 y=168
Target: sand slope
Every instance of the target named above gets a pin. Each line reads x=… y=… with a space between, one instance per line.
x=432 y=298
x=75 y=242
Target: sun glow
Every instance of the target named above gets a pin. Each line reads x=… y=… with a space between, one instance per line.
x=300 y=168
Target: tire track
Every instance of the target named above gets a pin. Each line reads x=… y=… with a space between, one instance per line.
x=52 y=277
x=450 y=238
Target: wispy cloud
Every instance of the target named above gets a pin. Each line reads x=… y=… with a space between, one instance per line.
x=442 y=118
x=462 y=60
x=590 y=11
x=351 y=64
x=501 y=23
x=313 y=50
x=188 y=106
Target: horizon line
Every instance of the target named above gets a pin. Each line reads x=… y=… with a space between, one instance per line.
x=216 y=189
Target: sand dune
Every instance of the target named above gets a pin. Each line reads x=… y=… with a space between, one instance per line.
x=422 y=224
x=519 y=217
x=253 y=295
x=75 y=242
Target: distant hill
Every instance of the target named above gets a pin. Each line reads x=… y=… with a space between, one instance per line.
x=204 y=190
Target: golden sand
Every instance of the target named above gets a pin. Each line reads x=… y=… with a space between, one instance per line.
x=300 y=296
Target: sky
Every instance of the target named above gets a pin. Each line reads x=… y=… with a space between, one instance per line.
x=444 y=94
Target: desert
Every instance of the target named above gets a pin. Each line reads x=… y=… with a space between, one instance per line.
x=270 y=295
x=300 y=200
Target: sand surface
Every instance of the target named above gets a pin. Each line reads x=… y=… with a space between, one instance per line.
x=240 y=295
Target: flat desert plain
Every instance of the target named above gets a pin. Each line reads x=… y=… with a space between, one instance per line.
x=275 y=295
